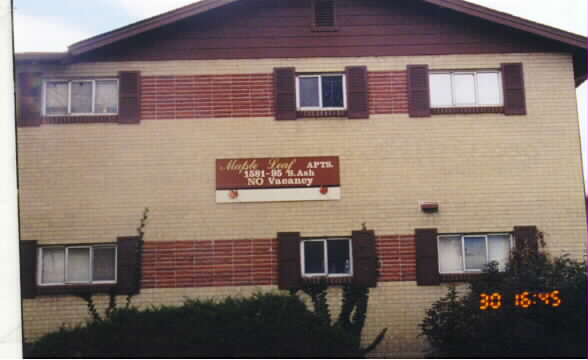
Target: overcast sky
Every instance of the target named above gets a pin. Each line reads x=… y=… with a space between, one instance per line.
x=52 y=25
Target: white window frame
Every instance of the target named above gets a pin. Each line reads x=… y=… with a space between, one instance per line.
x=320 y=88
x=326 y=258
x=476 y=88
x=69 y=82
x=463 y=258
x=90 y=264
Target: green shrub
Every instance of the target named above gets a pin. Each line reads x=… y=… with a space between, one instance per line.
x=260 y=326
x=456 y=326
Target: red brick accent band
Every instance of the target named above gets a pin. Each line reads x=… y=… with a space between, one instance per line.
x=248 y=95
x=388 y=92
x=206 y=96
x=397 y=255
x=176 y=264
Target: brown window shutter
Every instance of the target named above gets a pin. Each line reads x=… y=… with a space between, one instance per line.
x=357 y=92
x=128 y=262
x=29 y=99
x=129 y=111
x=28 y=269
x=419 y=101
x=526 y=237
x=365 y=260
x=289 y=273
x=513 y=84
x=427 y=261
x=285 y=93
x=324 y=13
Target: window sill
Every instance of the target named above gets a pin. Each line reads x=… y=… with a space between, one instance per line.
x=79 y=119
x=469 y=110
x=462 y=277
x=75 y=289
x=321 y=114
x=338 y=280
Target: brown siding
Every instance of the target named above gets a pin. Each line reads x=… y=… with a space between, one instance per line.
x=278 y=29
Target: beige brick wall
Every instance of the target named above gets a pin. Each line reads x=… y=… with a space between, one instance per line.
x=90 y=182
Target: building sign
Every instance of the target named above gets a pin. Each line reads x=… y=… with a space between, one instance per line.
x=277 y=179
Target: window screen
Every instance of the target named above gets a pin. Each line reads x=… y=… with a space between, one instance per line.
x=464 y=89
x=450 y=254
x=104 y=264
x=56 y=98
x=314 y=257
x=489 y=88
x=475 y=252
x=53 y=265
x=81 y=97
x=106 y=96
x=440 y=90
x=332 y=87
x=309 y=92
x=498 y=249
x=78 y=264
x=338 y=255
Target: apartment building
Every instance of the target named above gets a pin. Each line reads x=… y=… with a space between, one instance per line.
x=399 y=145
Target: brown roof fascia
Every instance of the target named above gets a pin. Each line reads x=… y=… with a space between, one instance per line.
x=512 y=21
x=40 y=57
x=146 y=25
x=206 y=5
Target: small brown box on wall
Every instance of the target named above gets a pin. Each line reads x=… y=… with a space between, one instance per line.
x=429 y=207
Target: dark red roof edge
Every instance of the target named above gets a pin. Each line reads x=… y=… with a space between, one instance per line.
x=40 y=57
x=513 y=21
x=146 y=25
x=567 y=38
x=206 y=5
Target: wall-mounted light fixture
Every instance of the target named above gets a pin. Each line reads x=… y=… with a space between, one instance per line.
x=429 y=207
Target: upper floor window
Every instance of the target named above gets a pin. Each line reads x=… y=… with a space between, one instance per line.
x=465 y=88
x=66 y=265
x=80 y=97
x=470 y=253
x=326 y=257
x=321 y=92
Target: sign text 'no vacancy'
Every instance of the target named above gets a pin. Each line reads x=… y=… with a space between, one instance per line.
x=277 y=179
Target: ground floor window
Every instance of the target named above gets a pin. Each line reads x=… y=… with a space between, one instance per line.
x=462 y=253
x=64 y=265
x=326 y=257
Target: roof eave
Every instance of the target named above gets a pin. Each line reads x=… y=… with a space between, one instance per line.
x=146 y=25
x=513 y=22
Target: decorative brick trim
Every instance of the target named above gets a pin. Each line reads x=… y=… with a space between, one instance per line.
x=176 y=264
x=206 y=96
x=330 y=280
x=90 y=119
x=322 y=114
x=469 y=110
x=397 y=256
x=459 y=277
x=250 y=95
x=388 y=92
